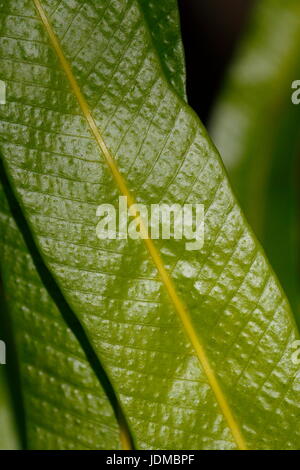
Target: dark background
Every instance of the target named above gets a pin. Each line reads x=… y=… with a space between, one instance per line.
x=210 y=29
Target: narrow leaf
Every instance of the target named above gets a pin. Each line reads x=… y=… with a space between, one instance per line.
x=66 y=408
x=197 y=344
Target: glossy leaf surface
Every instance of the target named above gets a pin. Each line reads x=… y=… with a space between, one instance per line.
x=54 y=365
x=65 y=406
x=197 y=344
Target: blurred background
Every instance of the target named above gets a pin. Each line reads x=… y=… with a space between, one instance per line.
x=210 y=31
x=241 y=59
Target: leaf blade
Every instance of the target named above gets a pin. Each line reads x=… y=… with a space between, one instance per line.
x=122 y=185
x=231 y=269
x=64 y=402
x=164 y=26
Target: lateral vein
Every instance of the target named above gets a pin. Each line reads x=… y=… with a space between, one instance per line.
x=154 y=253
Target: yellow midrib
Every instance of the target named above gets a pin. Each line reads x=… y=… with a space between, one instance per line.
x=178 y=304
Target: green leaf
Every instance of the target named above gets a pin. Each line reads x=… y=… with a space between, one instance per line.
x=197 y=344
x=256 y=128
x=41 y=386
x=47 y=374
x=8 y=434
x=11 y=410
x=164 y=25
x=65 y=405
